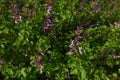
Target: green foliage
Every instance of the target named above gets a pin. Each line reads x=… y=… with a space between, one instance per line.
x=21 y=38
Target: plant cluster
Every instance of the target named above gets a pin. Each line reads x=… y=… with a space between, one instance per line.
x=59 y=39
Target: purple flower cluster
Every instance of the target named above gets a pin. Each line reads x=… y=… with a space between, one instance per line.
x=18 y=8
x=36 y=62
x=16 y=16
x=74 y=47
x=32 y=11
x=48 y=9
x=97 y=8
x=47 y=21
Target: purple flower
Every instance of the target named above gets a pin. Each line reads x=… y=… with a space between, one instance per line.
x=47 y=22
x=16 y=16
x=77 y=32
x=14 y=10
x=36 y=62
x=48 y=9
x=18 y=19
x=16 y=22
x=74 y=48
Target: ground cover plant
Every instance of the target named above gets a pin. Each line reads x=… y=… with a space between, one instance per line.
x=59 y=40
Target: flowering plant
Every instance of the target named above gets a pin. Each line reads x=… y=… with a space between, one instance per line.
x=59 y=40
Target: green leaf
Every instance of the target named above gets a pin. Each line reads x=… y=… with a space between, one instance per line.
x=72 y=64
x=74 y=71
x=83 y=73
x=29 y=69
x=48 y=74
x=23 y=72
x=9 y=71
x=32 y=58
x=5 y=30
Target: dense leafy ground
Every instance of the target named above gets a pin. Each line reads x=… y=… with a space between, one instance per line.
x=59 y=39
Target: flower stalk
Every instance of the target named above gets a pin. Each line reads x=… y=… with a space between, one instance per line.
x=74 y=47
x=47 y=21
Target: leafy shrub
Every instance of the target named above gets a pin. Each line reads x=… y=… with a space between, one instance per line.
x=77 y=40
